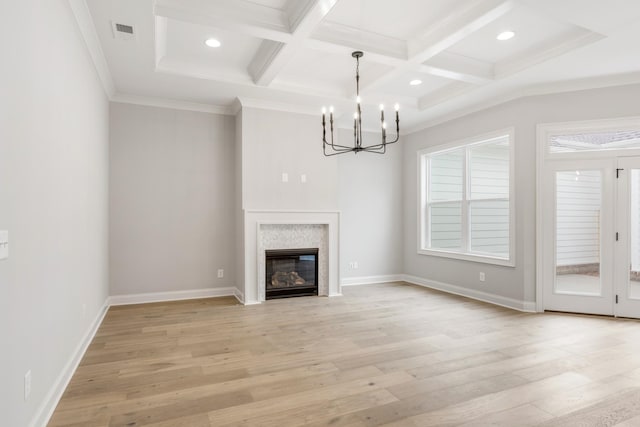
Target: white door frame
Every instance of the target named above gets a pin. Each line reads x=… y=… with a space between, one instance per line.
x=627 y=306
x=544 y=241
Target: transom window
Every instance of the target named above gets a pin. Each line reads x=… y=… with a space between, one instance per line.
x=467 y=209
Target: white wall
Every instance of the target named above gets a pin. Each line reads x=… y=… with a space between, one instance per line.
x=524 y=114
x=275 y=142
x=370 y=201
x=172 y=200
x=53 y=201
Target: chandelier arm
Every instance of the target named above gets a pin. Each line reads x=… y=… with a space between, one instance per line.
x=338 y=146
x=336 y=152
x=374 y=146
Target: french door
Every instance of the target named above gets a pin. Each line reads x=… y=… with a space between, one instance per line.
x=627 y=248
x=592 y=263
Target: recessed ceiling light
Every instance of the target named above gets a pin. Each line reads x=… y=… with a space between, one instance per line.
x=415 y=82
x=505 y=35
x=213 y=43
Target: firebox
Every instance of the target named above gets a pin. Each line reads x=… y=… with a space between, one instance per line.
x=291 y=273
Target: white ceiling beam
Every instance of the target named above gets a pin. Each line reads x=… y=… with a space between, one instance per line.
x=271 y=58
x=465 y=69
x=233 y=15
x=284 y=32
x=387 y=48
x=529 y=58
x=180 y=68
x=449 y=31
x=341 y=40
x=374 y=53
x=578 y=38
x=443 y=94
x=456 y=27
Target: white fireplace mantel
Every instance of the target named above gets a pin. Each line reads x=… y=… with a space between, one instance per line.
x=258 y=224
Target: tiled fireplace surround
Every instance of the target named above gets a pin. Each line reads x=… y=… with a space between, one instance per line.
x=265 y=230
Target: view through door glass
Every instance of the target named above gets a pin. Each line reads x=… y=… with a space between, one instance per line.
x=578 y=212
x=634 y=230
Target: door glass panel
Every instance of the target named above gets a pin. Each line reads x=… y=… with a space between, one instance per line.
x=634 y=230
x=578 y=208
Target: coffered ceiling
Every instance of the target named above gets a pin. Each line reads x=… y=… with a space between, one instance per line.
x=296 y=54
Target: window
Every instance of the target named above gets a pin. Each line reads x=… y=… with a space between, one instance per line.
x=467 y=204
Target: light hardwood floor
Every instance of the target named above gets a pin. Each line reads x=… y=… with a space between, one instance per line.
x=392 y=354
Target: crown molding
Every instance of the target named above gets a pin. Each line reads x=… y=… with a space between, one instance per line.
x=265 y=104
x=172 y=104
x=92 y=42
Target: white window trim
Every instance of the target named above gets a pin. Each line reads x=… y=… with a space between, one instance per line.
x=422 y=186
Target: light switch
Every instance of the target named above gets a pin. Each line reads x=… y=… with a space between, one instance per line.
x=285 y=177
x=303 y=178
x=4 y=244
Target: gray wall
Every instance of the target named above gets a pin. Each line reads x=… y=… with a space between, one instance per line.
x=172 y=200
x=523 y=114
x=274 y=142
x=370 y=199
x=53 y=200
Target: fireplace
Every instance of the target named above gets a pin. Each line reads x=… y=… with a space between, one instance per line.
x=291 y=273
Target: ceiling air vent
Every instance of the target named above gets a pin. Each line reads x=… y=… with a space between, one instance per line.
x=124 y=28
x=123 y=31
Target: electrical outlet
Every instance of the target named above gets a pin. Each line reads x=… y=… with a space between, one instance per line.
x=285 y=177
x=303 y=178
x=220 y=273
x=353 y=264
x=27 y=384
x=482 y=276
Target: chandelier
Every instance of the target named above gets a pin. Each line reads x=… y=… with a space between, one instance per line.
x=332 y=149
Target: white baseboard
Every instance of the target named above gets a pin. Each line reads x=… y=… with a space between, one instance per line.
x=45 y=411
x=239 y=295
x=172 y=296
x=526 y=306
x=368 y=280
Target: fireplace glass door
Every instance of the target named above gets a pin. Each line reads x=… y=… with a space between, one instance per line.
x=291 y=273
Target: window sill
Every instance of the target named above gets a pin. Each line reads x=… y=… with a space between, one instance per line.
x=483 y=259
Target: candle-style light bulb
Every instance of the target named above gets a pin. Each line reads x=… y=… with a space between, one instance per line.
x=381 y=107
x=355 y=116
x=384 y=125
x=324 y=111
x=331 y=109
x=358 y=99
x=397 y=106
